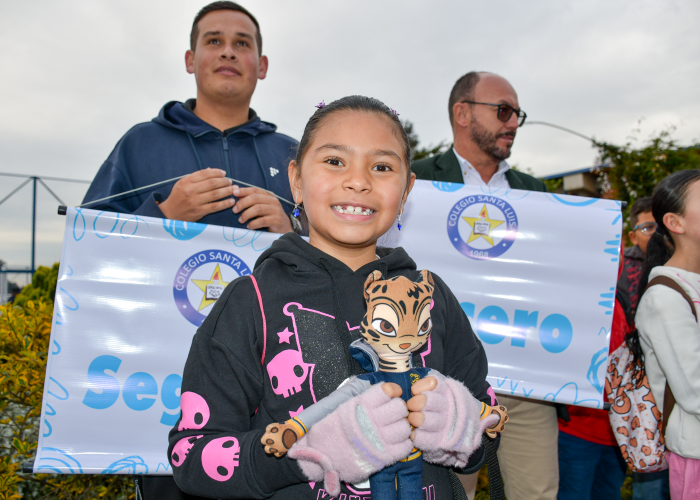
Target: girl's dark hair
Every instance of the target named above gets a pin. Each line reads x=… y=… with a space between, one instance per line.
x=669 y=197
x=353 y=103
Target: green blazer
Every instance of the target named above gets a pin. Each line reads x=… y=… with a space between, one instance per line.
x=445 y=167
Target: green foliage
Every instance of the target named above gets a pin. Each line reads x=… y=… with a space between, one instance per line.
x=554 y=185
x=631 y=172
x=43 y=287
x=24 y=341
x=418 y=153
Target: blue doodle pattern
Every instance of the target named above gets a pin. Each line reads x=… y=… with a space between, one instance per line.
x=183 y=231
x=599 y=359
x=239 y=237
x=129 y=465
x=53 y=460
x=448 y=187
x=609 y=301
x=555 y=395
x=613 y=248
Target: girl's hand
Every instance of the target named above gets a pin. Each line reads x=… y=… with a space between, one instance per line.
x=417 y=402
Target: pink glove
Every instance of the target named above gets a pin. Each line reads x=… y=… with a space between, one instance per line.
x=451 y=431
x=361 y=437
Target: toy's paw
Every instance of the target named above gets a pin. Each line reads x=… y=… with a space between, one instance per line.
x=278 y=438
x=499 y=426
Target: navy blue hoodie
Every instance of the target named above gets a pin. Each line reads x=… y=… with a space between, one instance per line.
x=178 y=142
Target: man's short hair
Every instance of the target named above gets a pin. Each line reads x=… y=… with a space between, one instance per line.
x=223 y=5
x=463 y=90
x=640 y=206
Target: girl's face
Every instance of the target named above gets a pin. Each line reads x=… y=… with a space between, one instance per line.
x=352 y=180
x=690 y=220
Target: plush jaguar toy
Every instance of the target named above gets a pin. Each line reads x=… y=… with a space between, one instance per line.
x=397 y=324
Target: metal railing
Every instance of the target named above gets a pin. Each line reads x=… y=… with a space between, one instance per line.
x=31 y=232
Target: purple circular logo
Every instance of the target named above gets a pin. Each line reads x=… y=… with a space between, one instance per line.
x=201 y=279
x=482 y=226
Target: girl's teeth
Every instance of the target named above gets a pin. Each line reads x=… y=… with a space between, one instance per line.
x=353 y=210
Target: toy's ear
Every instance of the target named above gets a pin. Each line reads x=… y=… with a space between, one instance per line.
x=374 y=276
x=426 y=277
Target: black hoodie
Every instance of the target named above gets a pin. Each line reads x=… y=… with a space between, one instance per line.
x=253 y=369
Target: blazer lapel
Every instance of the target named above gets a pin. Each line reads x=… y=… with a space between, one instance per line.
x=448 y=169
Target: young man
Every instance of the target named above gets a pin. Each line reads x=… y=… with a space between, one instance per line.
x=485 y=116
x=207 y=139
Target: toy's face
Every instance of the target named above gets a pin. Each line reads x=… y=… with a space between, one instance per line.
x=398 y=314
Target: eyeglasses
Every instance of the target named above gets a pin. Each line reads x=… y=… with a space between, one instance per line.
x=505 y=111
x=646 y=227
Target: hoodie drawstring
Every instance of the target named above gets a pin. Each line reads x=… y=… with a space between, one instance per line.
x=194 y=148
x=343 y=332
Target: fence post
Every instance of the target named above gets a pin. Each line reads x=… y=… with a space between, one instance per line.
x=33 y=221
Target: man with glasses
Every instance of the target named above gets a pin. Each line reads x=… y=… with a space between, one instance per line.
x=485 y=116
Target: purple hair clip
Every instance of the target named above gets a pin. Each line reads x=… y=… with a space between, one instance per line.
x=394 y=111
x=321 y=104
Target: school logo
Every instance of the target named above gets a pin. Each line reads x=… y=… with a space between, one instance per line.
x=482 y=227
x=201 y=280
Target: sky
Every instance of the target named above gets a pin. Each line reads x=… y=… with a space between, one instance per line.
x=78 y=74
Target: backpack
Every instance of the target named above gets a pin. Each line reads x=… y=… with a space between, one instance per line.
x=635 y=419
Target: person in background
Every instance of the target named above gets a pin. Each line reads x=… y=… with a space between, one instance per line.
x=642 y=228
x=667 y=325
x=485 y=115
x=207 y=140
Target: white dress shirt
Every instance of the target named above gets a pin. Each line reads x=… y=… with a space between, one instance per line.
x=473 y=178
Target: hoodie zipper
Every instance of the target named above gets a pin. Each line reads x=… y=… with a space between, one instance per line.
x=227 y=159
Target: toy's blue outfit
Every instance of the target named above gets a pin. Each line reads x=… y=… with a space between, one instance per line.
x=404 y=479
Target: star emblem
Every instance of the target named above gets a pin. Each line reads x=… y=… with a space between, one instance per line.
x=482 y=226
x=284 y=335
x=293 y=413
x=215 y=279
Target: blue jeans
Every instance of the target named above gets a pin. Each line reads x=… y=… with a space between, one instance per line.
x=589 y=470
x=650 y=485
x=403 y=480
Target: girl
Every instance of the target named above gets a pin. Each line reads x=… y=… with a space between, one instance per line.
x=668 y=330
x=278 y=341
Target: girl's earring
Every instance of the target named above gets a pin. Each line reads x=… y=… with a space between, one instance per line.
x=294 y=219
x=399 y=217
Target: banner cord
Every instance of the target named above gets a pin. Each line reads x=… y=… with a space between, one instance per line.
x=171 y=180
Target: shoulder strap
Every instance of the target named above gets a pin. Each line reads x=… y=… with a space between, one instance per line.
x=671 y=283
x=669 y=399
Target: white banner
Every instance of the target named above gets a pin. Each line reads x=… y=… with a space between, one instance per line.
x=534 y=272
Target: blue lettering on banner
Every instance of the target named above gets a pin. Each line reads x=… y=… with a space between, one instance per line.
x=108 y=385
x=493 y=325
x=136 y=388
x=139 y=391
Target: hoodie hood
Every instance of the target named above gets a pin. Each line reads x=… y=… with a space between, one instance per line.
x=294 y=251
x=174 y=115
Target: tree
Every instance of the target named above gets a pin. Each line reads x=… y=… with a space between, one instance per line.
x=418 y=153
x=25 y=329
x=631 y=172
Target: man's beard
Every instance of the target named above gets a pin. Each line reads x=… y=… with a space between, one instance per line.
x=487 y=140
